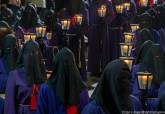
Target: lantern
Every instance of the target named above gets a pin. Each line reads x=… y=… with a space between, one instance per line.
x=65 y=24
x=40 y=31
x=78 y=19
x=143 y=3
x=127 y=5
x=102 y=11
x=126 y=49
x=26 y=37
x=128 y=61
x=144 y=80
x=134 y=27
x=119 y=8
x=33 y=36
x=49 y=35
x=128 y=37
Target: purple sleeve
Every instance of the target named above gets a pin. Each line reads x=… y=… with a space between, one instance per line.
x=10 y=104
x=84 y=99
x=19 y=33
x=134 y=84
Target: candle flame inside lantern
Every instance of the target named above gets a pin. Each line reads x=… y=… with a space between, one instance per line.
x=65 y=24
x=119 y=8
x=134 y=27
x=102 y=11
x=144 y=80
x=127 y=5
x=78 y=19
x=143 y=3
x=128 y=37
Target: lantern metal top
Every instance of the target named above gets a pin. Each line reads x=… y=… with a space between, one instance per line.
x=127 y=44
x=144 y=73
x=127 y=58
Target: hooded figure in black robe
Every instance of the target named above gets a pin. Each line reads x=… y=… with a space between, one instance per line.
x=8 y=54
x=29 y=17
x=8 y=16
x=142 y=36
x=112 y=94
x=19 y=90
x=146 y=22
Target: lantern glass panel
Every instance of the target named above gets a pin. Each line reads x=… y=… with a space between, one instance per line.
x=144 y=3
x=119 y=8
x=65 y=24
x=144 y=80
x=128 y=37
x=126 y=49
x=127 y=5
x=78 y=19
x=102 y=11
x=26 y=37
x=134 y=27
x=128 y=61
x=49 y=35
x=33 y=36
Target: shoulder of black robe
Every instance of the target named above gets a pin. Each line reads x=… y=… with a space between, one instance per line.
x=7 y=15
x=142 y=36
x=9 y=52
x=143 y=50
x=29 y=17
x=145 y=20
x=112 y=92
x=31 y=59
x=154 y=62
x=4 y=32
x=65 y=79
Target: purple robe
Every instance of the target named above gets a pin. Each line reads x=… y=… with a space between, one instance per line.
x=152 y=103
x=153 y=92
x=3 y=76
x=18 y=94
x=94 y=108
x=161 y=91
x=49 y=103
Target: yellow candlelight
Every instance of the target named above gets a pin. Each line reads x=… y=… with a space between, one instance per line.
x=65 y=24
x=78 y=18
x=128 y=61
x=127 y=5
x=134 y=27
x=33 y=37
x=143 y=2
x=128 y=37
x=144 y=80
x=49 y=35
x=26 y=37
x=126 y=49
x=119 y=8
x=102 y=11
